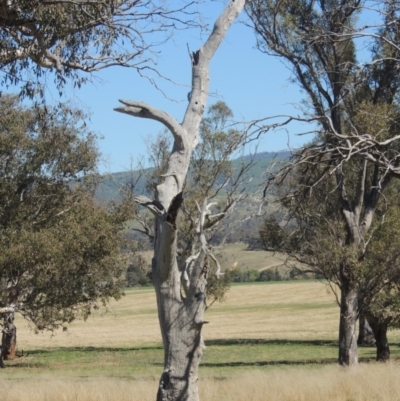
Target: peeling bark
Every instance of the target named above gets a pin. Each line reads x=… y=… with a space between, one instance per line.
x=181 y=315
x=348 y=355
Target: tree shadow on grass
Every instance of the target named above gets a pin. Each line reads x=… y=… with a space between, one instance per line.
x=27 y=365
x=92 y=349
x=323 y=361
x=219 y=343
x=263 y=341
x=282 y=342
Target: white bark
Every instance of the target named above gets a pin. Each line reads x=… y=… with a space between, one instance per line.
x=181 y=315
x=7 y=309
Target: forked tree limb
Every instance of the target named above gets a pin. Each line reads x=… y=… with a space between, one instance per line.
x=144 y=110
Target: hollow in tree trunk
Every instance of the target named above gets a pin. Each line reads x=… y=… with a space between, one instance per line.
x=382 y=345
x=365 y=333
x=348 y=355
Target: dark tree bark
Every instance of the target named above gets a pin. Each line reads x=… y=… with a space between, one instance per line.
x=9 y=338
x=382 y=345
x=2 y=366
x=365 y=333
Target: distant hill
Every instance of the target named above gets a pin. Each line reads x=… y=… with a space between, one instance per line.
x=282 y=154
x=111 y=184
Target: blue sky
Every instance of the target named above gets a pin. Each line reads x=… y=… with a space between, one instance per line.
x=253 y=85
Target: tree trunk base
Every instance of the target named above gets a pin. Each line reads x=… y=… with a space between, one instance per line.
x=9 y=338
x=365 y=335
x=382 y=344
x=348 y=353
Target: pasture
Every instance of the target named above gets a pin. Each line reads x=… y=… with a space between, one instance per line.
x=267 y=341
x=237 y=255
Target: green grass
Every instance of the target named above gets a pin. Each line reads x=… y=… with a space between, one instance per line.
x=260 y=327
x=263 y=337
x=221 y=358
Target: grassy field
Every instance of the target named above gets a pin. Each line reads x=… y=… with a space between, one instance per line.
x=237 y=255
x=270 y=341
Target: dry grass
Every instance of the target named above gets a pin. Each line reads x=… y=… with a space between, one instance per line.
x=296 y=310
x=367 y=383
x=237 y=255
x=286 y=310
x=259 y=369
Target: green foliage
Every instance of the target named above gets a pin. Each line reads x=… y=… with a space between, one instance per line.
x=217 y=287
x=213 y=181
x=39 y=38
x=60 y=251
x=272 y=235
x=313 y=37
x=382 y=258
x=137 y=274
x=251 y=275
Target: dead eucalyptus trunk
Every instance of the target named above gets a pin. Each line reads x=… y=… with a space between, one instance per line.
x=180 y=315
x=382 y=344
x=181 y=321
x=181 y=290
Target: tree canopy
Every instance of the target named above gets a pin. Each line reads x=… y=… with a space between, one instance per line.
x=343 y=173
x=66 y=37
x=61 y=252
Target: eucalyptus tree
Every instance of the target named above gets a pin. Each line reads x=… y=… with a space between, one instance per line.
x=181 y=289
x=65 y=37
x=60 y=251
x=314 y=237
x=383 y=259
x=356 y=113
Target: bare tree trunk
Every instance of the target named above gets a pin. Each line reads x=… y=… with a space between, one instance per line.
x=358 y=225
x=183 y=345
x=348 y=355
x=365 y=333
x=181 y=316
x=382 y=344
x=9 y=338
x=2 y=366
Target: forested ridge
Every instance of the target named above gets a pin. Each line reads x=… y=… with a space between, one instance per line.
x=109 y=187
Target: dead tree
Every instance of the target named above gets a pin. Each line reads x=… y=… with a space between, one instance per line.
x=181 y=290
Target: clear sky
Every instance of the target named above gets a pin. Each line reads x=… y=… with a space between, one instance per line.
x=253 y=85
